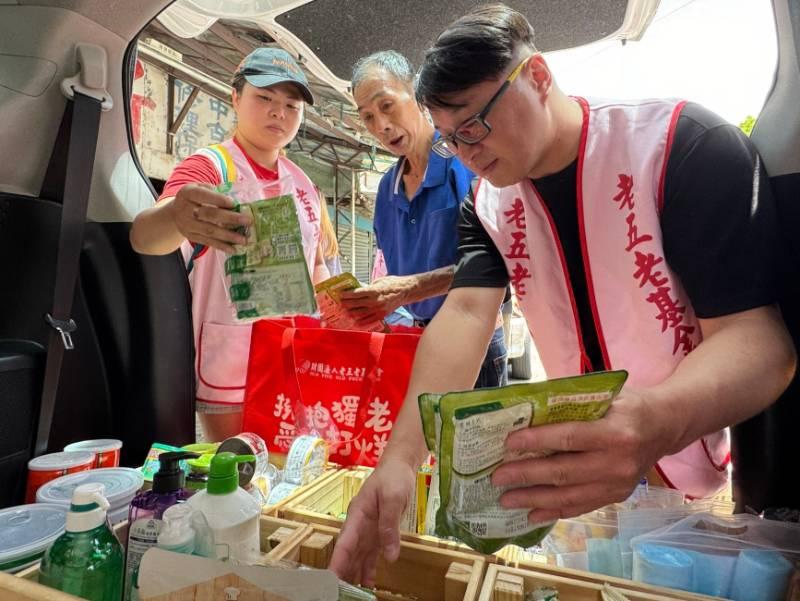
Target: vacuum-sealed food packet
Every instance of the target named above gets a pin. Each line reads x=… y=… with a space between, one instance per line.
x=268 y=276
x=468 y=431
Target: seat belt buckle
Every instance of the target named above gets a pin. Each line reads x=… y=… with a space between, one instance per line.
x=64 y=327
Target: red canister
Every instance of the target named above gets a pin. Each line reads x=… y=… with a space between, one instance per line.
x=48 y=467
x=106 y=450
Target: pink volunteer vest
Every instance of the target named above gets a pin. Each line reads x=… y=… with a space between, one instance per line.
x=644 y=319
x=223 y=344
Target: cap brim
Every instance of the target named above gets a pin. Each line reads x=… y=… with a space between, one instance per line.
x=263 y=81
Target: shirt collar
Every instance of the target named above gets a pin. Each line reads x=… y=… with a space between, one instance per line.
x=435 y=173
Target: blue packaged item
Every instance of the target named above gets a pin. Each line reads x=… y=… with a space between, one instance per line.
x=713 y=573
x=739 y=557
x=663 y=566
x=760 y=575
x=604 y=556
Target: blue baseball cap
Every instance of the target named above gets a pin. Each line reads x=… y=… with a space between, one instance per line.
x=265 y=67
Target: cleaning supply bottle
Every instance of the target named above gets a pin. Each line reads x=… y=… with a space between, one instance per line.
x=231 y=512
x=147 y=508
x=177 y=535
x=87 y=560
x=186 y=531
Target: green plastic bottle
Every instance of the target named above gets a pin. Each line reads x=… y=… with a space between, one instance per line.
x=87 y=560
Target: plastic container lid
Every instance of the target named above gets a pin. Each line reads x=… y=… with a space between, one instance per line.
x=121 y=484
x=100 y=445
x=201 y=464
x=27 y=531
x=60 y=461
x=201 y=447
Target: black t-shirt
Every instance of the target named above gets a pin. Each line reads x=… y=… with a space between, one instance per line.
x=718 y=225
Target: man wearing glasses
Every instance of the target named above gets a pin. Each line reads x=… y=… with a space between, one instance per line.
x=416 y=209
x=637 y=235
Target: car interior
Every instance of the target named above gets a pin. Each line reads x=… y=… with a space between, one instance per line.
x=71 y=182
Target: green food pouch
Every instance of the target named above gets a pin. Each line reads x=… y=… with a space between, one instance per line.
x=431 y=425
x=471 y=445
x=268 y=275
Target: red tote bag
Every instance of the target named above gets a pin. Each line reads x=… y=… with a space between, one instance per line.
x=344 y=386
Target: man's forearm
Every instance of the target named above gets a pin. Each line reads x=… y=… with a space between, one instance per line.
x=430 y=284
x=735 y=373
x=448 y=358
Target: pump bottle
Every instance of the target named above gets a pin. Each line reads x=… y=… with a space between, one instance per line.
x=231 y=512
x=87 y=560
x=147 y=509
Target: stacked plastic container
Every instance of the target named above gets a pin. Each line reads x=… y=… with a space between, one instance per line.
x=120 y=484
x=739 y=557
x=27 y=530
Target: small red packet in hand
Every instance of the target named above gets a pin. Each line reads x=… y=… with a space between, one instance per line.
x=334 y=315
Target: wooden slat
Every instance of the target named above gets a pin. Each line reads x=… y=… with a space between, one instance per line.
x=508 y=587
x=21 y=589
x=456 y=581
x=316 y=550
x=621 y=583
x=276 y=509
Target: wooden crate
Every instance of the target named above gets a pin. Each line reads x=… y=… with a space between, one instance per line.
x=422 y=572
x=621 y=583
x=503 y=583
x=324 y=501
x=276 y=509
x=278 y=537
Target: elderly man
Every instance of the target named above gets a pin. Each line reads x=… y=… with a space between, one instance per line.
x=416 y=209
x=638 y=236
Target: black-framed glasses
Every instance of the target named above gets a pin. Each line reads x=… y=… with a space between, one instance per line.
x=476 y=128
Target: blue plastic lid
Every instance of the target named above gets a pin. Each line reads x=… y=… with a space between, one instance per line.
x=27 y=531
x=121 y=484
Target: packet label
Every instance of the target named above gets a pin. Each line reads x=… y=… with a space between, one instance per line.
x=479 y=440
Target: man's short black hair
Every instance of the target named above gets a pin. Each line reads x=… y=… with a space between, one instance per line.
x=477 y=47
